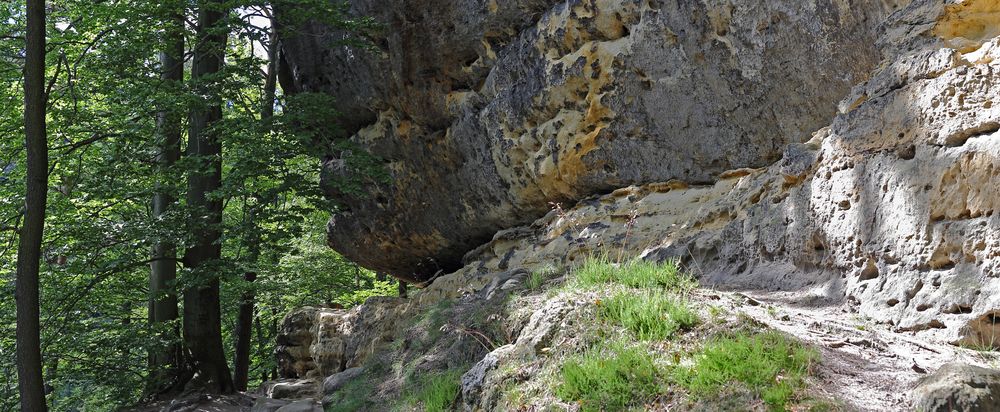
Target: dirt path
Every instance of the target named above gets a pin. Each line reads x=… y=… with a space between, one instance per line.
x=868 y=366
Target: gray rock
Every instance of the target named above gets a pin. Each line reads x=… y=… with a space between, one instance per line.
x=268 y=405
x=959 y=387
x=333 y=383
x=474 y=379
x=485 y=112
x=293 y=389
x=304 y=405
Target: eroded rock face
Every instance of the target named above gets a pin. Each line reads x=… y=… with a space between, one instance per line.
x=888 y=214
x=891 y=210
x=486 y=111
x=318 y=342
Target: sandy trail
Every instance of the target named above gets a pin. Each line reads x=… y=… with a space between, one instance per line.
x=866 y=365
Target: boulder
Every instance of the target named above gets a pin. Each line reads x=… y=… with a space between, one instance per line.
x=484 y=113
x=334 y=382
x=291 y=389
x=268 y=405
x=959 y=387
x=304 y=405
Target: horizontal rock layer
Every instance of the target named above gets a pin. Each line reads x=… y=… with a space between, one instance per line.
x=485 y=112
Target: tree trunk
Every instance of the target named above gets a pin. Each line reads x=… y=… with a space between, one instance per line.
x=202 y=317
x=241 y=364
x=402 y=289
x=244 y=324
x=29 y=356
x=164 y=362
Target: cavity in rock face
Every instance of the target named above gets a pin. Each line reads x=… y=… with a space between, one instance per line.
x=486 y=112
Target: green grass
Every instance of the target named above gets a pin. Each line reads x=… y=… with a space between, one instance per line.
x=432 y=320
x=600 y=271
x=535 y=280
x=354 y=396
x=610 y=379
x=650 y=315
x=771 y=365
x=438 y=392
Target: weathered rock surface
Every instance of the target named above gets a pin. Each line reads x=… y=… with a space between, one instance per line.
x=959 y=387
x=485 y=111
x=891 y=209
x=314 y=343
x=887 y=215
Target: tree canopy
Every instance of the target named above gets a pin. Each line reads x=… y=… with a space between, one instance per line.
x=106 y=91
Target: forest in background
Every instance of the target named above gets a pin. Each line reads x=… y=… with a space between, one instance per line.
x=177 y=170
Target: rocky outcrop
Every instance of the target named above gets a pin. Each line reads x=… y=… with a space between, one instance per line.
x=487 y=111
x=317 y=342
x=887 y=215
x=891 y=209
x=959 y=387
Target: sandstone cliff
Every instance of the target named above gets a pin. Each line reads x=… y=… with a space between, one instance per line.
x=485 y=112
x=883 y=213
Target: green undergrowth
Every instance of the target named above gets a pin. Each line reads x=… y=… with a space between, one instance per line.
x=610 y=378
x=650 y=315
x=641 y=342
x=536 y=279
x=638 y=273
x=354 y=396
x=770 y=364
x=437 y=392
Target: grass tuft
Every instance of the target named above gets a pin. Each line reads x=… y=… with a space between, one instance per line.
x=650 y=315
x=599 y=271
x=770 y=364
x=439 y=392
x=352 y=397
x=609 y=379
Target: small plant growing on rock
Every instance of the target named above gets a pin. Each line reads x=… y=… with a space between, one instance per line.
x=438 y=392
x=638 y=273
x=651 y=315
x=610 y=379
x=538 y=278
x=770 y=364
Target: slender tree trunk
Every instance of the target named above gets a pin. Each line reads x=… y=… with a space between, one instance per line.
x=244 y=324
x=202 y=317
x=29 y=356
x=241 y=364
x=274 y=334
x=165 y=362
x=402 y=289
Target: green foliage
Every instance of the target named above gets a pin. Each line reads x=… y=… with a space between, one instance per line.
x=770 y=364
x=437 y=392
x=432 y=320
x=537 y=278
x=638 y=273
x=610 y=378
x=650 y=315
x=105 y=92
